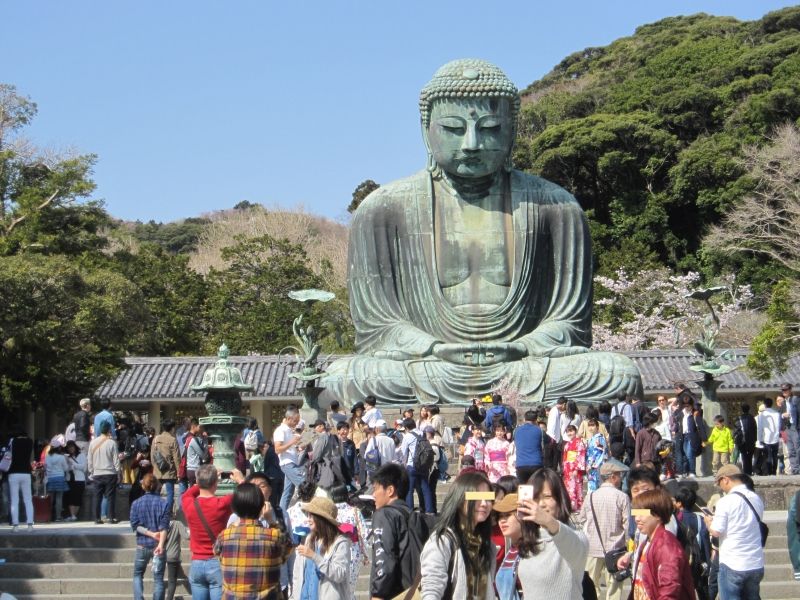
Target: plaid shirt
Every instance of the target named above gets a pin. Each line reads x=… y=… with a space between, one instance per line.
x=251 y=557
x=149 y=511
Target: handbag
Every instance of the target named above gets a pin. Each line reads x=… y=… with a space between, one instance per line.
x=762 y=527
x=612 y=556
x=5 y=462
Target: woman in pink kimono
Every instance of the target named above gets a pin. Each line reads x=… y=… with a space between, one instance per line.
x=498 y=450
x=476 y=448
x=574 y=466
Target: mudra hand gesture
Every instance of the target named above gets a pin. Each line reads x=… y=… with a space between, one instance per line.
x=480 y=355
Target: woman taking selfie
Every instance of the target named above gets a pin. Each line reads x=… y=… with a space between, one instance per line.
x=660 y=571
x=458 y=558
x=552 y=555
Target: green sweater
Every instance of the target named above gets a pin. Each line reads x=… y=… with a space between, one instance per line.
x=721 y=440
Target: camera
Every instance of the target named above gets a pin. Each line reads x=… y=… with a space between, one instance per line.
x=622 y=574
x=225 y=475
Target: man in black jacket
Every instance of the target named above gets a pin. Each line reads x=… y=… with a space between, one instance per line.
x=82 y=420
x=744 y=437
x=389 y=528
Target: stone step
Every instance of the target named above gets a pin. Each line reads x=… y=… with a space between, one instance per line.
x=116 y=570
x=74 y=555
x=59 y=587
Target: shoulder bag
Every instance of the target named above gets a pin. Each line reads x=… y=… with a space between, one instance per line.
x=762 y=527
x=612 y=556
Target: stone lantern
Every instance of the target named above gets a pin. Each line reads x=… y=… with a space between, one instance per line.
x=223 y=385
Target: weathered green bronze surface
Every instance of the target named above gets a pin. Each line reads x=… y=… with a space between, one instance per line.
x=469 y=271
x=223 y=385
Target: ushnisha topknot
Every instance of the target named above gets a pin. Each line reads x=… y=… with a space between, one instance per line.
x=467 y=78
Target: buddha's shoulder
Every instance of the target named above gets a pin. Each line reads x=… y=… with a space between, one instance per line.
x=540 y=189
x=395 y=194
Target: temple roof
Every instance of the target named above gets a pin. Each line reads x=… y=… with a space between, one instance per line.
x=172 y=377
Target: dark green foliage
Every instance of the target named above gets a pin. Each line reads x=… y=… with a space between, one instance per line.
x=63 y=329
x=772 y=347
x=248 y=306
x=178 y=237
x=363 y=189
x=173 y=297
x=648 y=132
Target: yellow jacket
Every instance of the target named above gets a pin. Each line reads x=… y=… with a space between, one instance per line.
x=721 y=440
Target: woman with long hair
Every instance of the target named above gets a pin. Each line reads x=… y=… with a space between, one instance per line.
x=19 y=476
x=552 y=555
x=325 y=555
x=457 y=561
x=661 y=571
x=77 y=481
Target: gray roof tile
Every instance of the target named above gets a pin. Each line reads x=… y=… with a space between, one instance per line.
x=172 y=377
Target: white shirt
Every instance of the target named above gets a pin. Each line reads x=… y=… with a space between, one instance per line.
x=284 y=434
x=769 y=426
x=740 y=537
x=385 y=446
x=556 y=422
x=372 y=416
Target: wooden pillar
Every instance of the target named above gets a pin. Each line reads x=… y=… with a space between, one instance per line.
x=267 y=426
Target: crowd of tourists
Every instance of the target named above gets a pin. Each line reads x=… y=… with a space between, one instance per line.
x=562 y=502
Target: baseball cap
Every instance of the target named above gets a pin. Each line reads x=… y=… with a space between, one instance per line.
x=612 y=465
x=727 y=471
x=506 y=504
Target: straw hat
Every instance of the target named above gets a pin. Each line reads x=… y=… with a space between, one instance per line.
x=322 y=507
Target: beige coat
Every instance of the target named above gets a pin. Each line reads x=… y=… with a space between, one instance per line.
x=167 y=445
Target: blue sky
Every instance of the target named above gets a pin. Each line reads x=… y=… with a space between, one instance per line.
x=193 y=106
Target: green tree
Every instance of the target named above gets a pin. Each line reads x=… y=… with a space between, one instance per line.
x=63 y=329
x=248 y=304
x=173 y=297
x=363 y=189
x=772 y=347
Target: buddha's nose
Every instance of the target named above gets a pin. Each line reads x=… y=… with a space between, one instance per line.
x=471 y=142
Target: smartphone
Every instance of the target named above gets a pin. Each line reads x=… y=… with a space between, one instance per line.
x=706 y=511
x=525 y=492
x=225 y=475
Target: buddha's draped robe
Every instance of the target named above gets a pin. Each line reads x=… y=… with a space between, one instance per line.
x=400 y=312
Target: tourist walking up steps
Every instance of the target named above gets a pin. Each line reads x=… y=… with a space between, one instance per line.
x=19 y=476
x=103 y=466
x=165 y=457
x=150 y=515
x=57 y=469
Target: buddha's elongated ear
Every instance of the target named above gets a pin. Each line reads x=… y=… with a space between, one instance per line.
x=431 y=166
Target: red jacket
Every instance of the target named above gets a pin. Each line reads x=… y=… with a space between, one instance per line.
x=666 y=574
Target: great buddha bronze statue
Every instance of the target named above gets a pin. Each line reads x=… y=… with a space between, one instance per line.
x=469 y=271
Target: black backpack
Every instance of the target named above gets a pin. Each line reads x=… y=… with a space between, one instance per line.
x=423 y=455
x=418 y=531
x=616 y=429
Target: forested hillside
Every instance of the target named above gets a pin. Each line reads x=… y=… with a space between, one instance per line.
x=648 y=133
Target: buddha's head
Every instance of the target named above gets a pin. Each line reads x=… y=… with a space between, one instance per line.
x=469 y=114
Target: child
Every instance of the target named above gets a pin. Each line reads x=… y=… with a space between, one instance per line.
x=476 y=448
x=595 y=453
x=721 y=440
x=574 y=466
x=498 y=449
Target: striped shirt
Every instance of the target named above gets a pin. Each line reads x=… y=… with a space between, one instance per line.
x=250 y=557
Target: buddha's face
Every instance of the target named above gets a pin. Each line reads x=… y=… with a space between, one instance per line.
x=470 y=137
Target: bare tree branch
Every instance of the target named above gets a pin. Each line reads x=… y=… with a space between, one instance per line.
x=39 y=208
